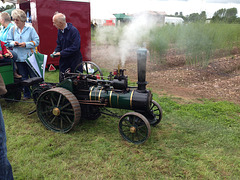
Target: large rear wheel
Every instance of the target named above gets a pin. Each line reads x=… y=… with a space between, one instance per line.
x=58 y=109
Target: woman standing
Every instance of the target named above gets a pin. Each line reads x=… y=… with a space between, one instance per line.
x=23 y=38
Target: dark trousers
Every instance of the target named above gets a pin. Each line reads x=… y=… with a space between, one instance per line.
x=5 y=166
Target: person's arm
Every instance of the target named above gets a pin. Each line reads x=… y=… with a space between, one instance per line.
x=10 y=55
x=34 y=37
x=2 y=46
x=10 y=37
x=4 y=49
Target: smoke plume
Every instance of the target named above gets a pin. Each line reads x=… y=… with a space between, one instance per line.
x=128 y=38
x=133 y=35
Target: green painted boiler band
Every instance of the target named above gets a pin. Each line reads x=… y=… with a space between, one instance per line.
x=124 y=100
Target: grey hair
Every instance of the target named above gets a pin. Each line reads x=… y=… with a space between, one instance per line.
x=60 y=17
x=18 y=13
x=5 y=16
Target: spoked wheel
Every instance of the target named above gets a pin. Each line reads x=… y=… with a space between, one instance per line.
x=154 y=116
x=58 y=109
x=134 y=127
x=89 y=68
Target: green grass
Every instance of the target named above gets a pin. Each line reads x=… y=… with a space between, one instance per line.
x=193 y=141
x=52 y=77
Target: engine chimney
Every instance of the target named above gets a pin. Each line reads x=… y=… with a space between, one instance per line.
x=142 y=59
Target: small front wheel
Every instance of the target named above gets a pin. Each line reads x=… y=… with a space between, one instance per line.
x=155 y=114
x=134 y=127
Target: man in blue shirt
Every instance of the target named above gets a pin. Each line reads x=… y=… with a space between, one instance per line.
x=68 y=45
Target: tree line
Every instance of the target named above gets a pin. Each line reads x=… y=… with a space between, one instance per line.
x=221 y=15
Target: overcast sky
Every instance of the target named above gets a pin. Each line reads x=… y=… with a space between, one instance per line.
x=103 y=9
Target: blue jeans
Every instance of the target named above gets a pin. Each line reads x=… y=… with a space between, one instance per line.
x=5 y=166
x=26 y=72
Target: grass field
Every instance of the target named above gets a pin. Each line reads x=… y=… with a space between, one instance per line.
x=193 y=141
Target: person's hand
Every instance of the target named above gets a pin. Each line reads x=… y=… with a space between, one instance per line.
x=16 y=43
x=6 y=55
x=57 y=54
x=9 y=55
x=23 y=44
x=1 y=56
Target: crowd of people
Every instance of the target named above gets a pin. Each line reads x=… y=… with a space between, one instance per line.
x=17 y=41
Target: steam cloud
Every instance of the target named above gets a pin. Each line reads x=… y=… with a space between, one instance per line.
x=133 y=34
x=129 y=39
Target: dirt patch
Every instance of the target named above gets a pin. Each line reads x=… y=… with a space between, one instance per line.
x=220 y=80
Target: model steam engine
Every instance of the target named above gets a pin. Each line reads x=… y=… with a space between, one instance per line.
x=84 y=96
